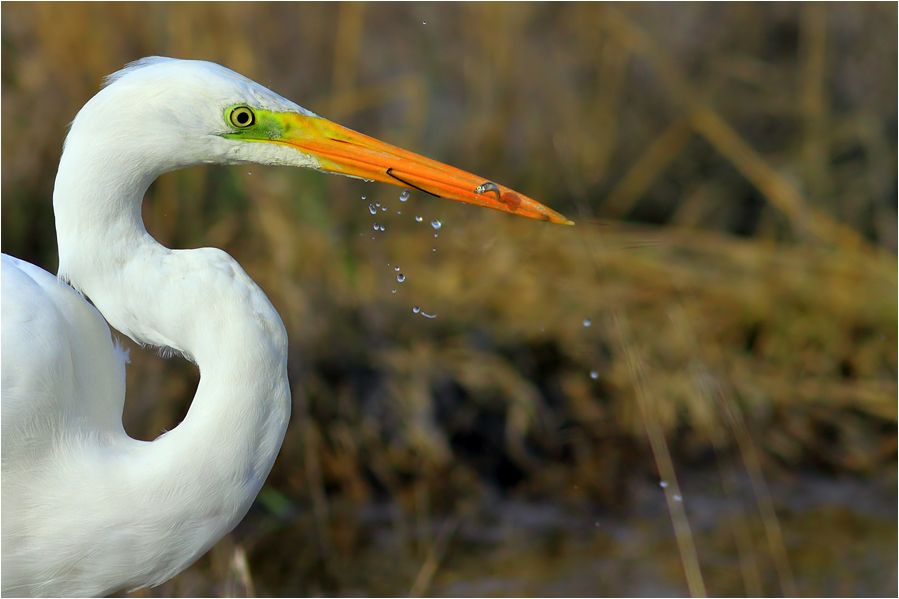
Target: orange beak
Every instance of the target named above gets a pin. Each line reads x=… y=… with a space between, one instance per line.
x=346 y=152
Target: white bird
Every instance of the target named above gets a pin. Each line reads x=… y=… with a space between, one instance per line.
x=87 y=510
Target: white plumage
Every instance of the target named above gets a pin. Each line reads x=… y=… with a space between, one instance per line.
x=87 y=510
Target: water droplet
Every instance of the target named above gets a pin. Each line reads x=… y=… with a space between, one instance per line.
x=375 y=226
x=436 y=224
x=383 y=208
x=364 y=197
x=663 y=484
x=382 y=228
x=393 y=291
x=594 y=375
x=587 y=322
x=418 y=219
x=396 y=268
x=404 y=196
x=400 y=278
x=416 y=309
x=426 y=315
x=677 y=497
x=372 y=209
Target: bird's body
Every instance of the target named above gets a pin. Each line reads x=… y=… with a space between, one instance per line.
x=75 y=482
x=87 y=510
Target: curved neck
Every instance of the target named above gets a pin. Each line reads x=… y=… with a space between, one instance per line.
x=203 y=475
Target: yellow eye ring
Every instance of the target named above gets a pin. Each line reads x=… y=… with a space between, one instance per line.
x=242 y=117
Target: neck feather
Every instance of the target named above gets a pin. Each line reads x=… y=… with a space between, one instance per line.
x=198 y=480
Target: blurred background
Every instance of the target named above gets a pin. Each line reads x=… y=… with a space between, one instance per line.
x=692 y=391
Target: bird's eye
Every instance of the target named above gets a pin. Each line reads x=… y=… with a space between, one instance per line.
x=242 y=117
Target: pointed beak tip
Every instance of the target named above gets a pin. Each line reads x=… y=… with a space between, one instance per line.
x=558 y=218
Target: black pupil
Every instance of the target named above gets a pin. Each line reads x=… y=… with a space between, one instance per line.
x=243 y=117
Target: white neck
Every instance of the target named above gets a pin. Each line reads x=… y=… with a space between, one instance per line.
x=199 y=479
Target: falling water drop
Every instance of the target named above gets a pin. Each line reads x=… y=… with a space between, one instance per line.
x=375 y=226
x=418 y=219
x=404 y=196
x=372 y=209
x=396 y=268
x=416 y=309
x=382 y=228
x=663 y=484
x=677 y=497
x=587 y=323
x=594 y=375
x=436 y=224
x=400 y=278
x=364 y=198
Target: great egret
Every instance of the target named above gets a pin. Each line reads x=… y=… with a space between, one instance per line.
x=88 y=510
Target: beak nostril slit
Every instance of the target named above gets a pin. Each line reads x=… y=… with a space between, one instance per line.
x=390 y=173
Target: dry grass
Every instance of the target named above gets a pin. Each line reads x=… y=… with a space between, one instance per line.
x=747 y=153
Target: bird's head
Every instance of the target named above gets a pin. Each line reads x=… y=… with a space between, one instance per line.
x=186 y=112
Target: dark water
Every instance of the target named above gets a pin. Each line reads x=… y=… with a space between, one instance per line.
x=838 y=536
x=827 y=537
